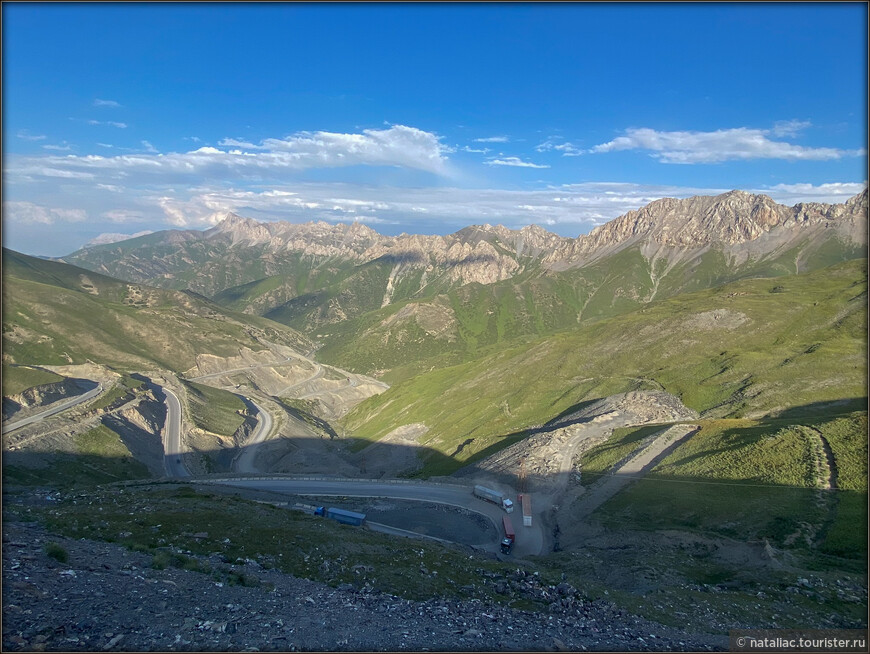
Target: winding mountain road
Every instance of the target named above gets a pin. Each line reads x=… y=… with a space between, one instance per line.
x=63 y=405
x=172 y=461
x=287 y=362
x=244 y=462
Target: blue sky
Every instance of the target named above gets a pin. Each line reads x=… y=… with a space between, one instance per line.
x=122 y=119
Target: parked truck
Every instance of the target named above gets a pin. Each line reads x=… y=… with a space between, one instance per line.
x=346 y=517
x=507 y=543
x=309 y=509
x=494 y=496
x=526 y=501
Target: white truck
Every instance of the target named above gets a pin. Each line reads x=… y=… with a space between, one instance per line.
x=495 y=497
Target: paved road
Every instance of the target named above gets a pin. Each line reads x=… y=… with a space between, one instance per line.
x=317 y=375
x=244 y=462
x=60 y=406
x=287 y=362
x=172 y=457
x=529 y=539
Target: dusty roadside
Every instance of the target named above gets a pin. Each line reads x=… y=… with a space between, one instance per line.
x=108 y=598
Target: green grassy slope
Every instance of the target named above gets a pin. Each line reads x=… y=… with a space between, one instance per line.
x=99 y=457
x=213 y=409
x=54 y=313
x=756 y=479
x=400 y=338
x=755 y=346
x=20 y=378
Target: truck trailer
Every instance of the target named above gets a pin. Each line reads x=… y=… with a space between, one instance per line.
x=494 y=496
x=507 y=543
x=346 y=517
x=526 y=501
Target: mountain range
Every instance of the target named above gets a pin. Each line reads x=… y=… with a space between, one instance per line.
x=377 y=303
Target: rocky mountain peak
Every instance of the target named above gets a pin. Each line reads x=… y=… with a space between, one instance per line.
x=859 y=200
x=231 y=220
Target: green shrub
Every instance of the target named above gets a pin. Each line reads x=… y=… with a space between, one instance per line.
x=56 y=552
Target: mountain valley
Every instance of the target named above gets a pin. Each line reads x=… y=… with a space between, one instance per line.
x=622 y=379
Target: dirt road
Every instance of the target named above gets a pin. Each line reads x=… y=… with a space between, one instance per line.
x=636 y=467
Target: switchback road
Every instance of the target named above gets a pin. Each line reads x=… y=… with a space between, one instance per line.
x=244 y=462
x=63 y=405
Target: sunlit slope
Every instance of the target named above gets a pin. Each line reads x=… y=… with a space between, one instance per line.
x=54 y=313
x=748 y=348
x=461 y=323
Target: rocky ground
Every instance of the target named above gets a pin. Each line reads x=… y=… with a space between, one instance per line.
x=105 y=597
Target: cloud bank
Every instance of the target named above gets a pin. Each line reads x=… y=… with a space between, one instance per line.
x=741 y=143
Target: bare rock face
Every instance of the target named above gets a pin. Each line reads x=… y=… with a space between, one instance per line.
x=743 y=226
x=486 y=254
x=728 y=220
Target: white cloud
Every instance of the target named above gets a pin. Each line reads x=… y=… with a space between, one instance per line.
x=112 y=237
x=106 y=103
x=572 y=207
x=105 y=145
x=831 y=193
x=513 y=161
x=789 y=127
x=25 y=135
x=65 y=147
x=122 y=215
x=493 y=139
x=110 y=123
x=397 y=146
x=741 y=143
x=567 y=149
x=38 y=170
x=29 y=213
x=475 y=150
x=148 y=147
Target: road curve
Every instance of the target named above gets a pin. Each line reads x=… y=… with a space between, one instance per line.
x=244 y=462
x=61 y=406
x=288 y=361
x=529 y=539
x=317 y=375
x=172 y=452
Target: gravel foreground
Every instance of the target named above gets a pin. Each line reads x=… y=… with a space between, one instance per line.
x=107 y=598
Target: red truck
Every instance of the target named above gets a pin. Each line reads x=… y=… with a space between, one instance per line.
x=507 y=542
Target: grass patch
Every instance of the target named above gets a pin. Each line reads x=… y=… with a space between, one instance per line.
x=756 y=480
x=124 y=388
x=19 y=378
x=213 y=409
x=102 y=458
x=102 y=441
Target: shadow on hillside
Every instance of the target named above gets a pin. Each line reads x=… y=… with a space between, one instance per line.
x=394 y=258
x=824 y=409
x=748 y=508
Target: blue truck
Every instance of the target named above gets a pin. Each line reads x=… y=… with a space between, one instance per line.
x=346 y=517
